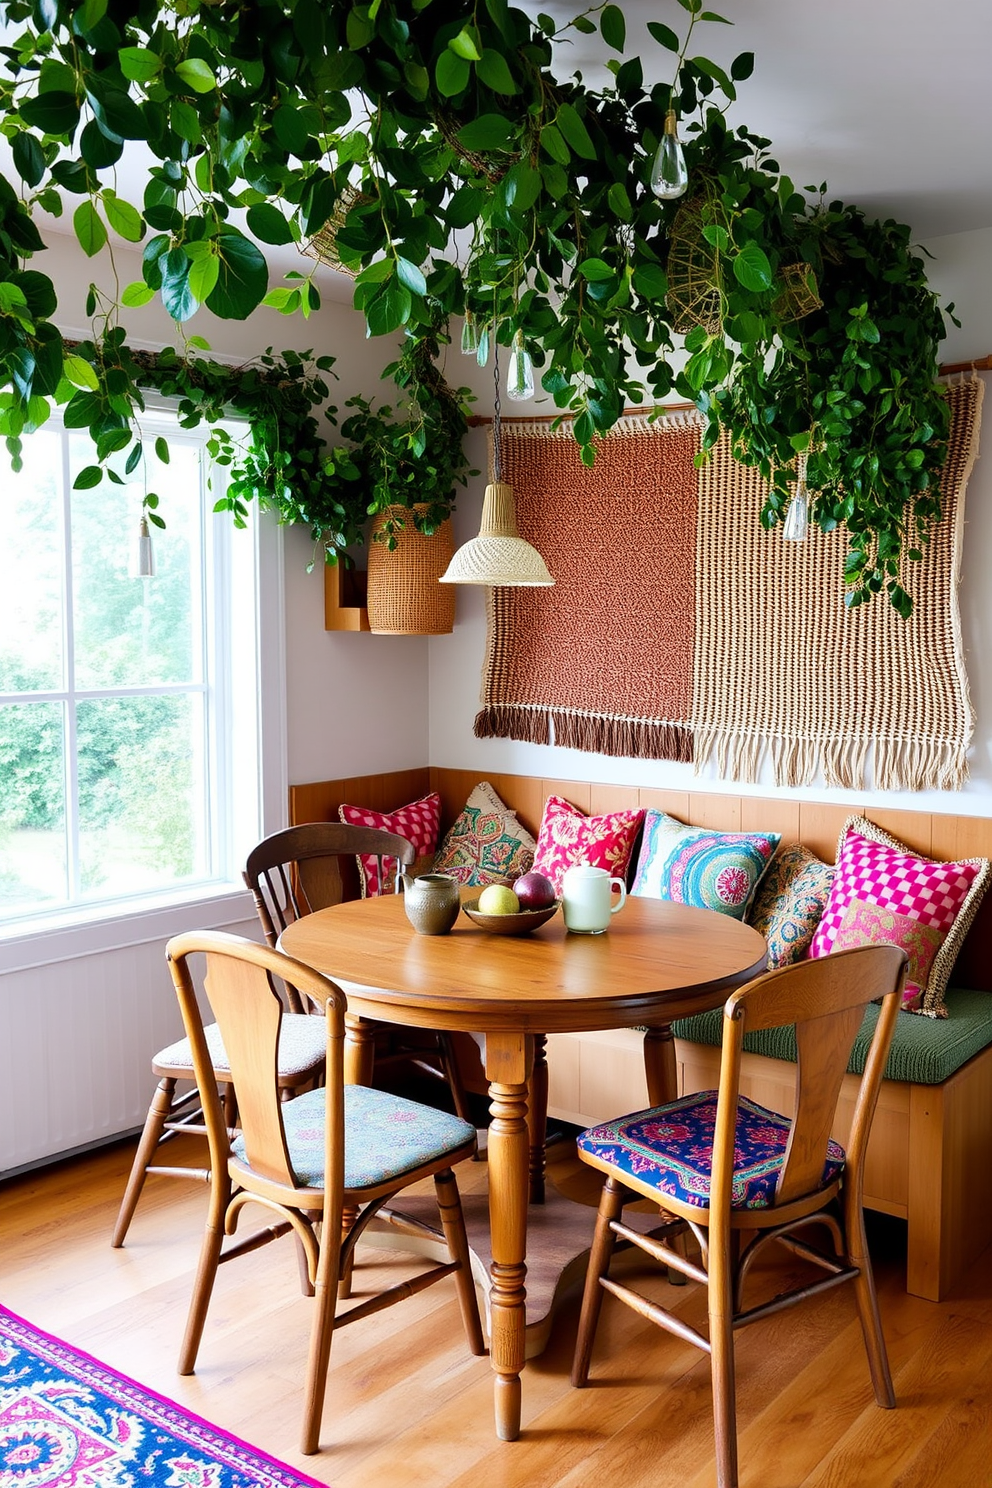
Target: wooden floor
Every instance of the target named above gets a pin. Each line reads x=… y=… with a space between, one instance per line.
x=408 y=1406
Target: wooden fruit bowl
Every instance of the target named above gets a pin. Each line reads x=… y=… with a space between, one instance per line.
x=521 y=923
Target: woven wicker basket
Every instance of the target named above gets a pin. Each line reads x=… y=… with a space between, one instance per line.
x=404 y=596
x=323 y=245
x=693 y=268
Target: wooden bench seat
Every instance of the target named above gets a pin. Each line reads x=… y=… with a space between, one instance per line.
x=930 y=1157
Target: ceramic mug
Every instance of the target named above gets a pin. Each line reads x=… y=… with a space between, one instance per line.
x=587 y=899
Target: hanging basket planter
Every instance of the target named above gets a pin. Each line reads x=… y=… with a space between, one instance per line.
x=404 y=595
x=800 y=293
x=693 y=269
x=323 y=246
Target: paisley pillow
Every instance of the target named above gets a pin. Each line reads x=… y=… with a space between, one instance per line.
x=419 y=822
x=487 y=844
x=704 y=869
x=567 y=836
x=789 y=903
x=883 y=891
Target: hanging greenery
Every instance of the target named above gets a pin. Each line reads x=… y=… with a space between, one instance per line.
x=462 y=170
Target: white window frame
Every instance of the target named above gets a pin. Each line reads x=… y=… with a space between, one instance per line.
x=246 y=639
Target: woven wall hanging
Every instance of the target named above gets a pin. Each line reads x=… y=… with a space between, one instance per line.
x=679 y=629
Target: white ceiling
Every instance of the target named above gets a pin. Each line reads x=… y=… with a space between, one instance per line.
x=886 y=100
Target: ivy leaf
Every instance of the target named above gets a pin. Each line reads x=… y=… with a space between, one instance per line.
x=52 y=113
x=177 y=297
x=742 y=67
x=133 y=459
x=87 y=478
x=28 y=158
x=162 y=450
x=196 y=75
x=595 y=269
x=575 y=132
x=665 y=36
x=389 y=310
x=614 y=27
x=138 y=64
x=451 y=73
x=265 y=221
x=137 y=294
x=123 y=218
x=99 y=149
x=492 y=69
x=243 y=278
x=554 y=144
x=464 y=45
x=411 y=276
x=203 y=275
x=619 y=201
x=522 y=186
x=89 y=229
x=77 y=370
x=487 y=132
x=651 y=281
x=752 y=269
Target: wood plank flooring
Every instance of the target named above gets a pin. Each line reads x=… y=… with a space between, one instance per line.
x=407 y=1405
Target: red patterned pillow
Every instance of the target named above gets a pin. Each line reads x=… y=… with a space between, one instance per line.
x=419 y=822
x=884 y=892
x=567 y=836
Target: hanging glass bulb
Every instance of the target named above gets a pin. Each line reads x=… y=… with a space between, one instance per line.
x=669 y=174
x=470 y=335
x=520 y=377
x=482 y=351
x=144 y=557
x=796 y=524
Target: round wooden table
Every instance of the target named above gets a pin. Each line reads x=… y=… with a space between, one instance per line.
x=657 y=962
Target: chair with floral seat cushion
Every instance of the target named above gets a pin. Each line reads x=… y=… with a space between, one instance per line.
x=309 y=1160
x=740 y=1176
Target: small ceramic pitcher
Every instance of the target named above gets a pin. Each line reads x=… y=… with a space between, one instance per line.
x=587 y=899
x=432 y=902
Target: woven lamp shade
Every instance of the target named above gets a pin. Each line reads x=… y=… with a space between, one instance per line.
x=404 y=596
x=498 y=556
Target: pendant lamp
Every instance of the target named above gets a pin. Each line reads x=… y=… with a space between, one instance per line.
x=499 y=555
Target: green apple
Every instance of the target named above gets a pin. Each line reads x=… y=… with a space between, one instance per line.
x=498 y=899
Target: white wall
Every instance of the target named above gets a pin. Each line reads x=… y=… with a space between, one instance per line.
x=959 y=272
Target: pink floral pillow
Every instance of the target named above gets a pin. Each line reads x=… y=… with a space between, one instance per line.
x=884 y=892
x=567 y=836
x=419 y=822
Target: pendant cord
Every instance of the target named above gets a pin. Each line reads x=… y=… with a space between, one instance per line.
x=497 y=461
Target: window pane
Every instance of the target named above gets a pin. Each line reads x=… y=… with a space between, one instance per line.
x=128 y=630
x=141 y=794
x=32 y=808
x=31 y=570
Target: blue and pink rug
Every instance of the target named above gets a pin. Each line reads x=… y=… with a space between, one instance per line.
x=67 y=1421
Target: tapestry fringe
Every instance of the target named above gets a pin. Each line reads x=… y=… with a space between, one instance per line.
x=897 y=764
x=631 y=423
x=625 y=738
x=510 y=721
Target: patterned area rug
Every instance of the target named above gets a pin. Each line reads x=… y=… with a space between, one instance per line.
x=67 y=1421
x=679 y=629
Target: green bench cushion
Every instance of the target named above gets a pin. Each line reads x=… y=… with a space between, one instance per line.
x=925 y=1051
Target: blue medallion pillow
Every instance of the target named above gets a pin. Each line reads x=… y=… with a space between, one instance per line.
x=704 y=869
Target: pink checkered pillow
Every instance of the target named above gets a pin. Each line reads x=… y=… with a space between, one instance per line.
x=567 y=836
x=419 y=822
x=882 y=891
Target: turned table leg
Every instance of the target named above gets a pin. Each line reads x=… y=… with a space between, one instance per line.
x=537 y=1118
x=509 y=1059
x=359 y=1050
x=660 y=1068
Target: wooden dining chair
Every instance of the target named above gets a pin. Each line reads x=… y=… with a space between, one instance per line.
x=308 y=867
x=306 y=1160
x=741 y=1176
x=176 y=1107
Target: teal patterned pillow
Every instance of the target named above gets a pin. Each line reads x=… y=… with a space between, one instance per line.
x=704 y=869
x=788 y=905
x=487 y=844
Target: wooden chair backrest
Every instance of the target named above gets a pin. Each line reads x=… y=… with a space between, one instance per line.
x=826 y=1000
x=238 y=983
x=296 y=871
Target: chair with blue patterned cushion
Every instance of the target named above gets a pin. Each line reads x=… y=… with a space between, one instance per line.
x=740 y=1176
x=307 y=1159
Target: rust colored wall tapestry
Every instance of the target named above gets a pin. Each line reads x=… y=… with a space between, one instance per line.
x=679 y=629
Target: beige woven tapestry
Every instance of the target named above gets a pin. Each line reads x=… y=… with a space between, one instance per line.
x=679 y=629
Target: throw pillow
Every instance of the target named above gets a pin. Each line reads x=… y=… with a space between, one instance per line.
x=568 y=836
x=882 y=891
x=789 y=903
x=704 y=869
x=419 y=822
x=487 y=844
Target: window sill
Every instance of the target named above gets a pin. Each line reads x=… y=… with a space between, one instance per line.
x=90 y=932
